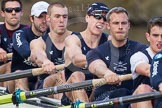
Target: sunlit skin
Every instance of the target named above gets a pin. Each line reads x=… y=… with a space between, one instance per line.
x=95 y=26
x=118 y=26
x=12 y=20
x=155 y=38
x=58 y=20
x=39 y=24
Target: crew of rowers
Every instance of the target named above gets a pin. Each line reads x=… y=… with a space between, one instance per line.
x=87 y=55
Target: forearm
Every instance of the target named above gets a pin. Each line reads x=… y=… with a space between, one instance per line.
x=79 y=60
x=98 y=68
x=143 y=69
x=101 y=71
x=38 y=57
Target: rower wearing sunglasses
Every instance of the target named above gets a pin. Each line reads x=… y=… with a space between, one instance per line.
x=76 y=47
x=112 y=59
x=11 y=11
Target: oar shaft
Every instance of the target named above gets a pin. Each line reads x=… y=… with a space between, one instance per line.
x=125 y=100
x=69 y=87
x=55 y=90
x=119 y=101
x=15 y=75
x=26 y=73
x=59 y=89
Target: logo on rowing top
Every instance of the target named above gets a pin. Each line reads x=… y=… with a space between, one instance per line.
x=155 y=70
x=158 y=56
x=120 y=66
x=19 y=43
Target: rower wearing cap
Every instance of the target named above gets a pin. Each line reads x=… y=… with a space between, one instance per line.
x=76 y=47
x=21 y=48
x=112 y=58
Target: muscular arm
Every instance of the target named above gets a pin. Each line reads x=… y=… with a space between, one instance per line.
x=100 y=69
x=143 y=69
x=74 y=52
x=3 y=55
x=38 y=54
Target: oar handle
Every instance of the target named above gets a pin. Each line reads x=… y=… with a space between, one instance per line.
x=59 y=67
x=39 y=71
x=9 y=55
x=125 y=77
x=102 y=81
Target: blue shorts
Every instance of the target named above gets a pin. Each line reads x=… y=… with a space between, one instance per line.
x=40 y=84
x=32 y=85
x=158 y=103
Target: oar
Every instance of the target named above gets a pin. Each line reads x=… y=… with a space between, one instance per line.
x=118 y=101
x=22 y=96
x=9 y=56
x=26 y=73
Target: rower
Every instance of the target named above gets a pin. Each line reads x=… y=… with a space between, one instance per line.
x=21 y=48
x=112 y=58
x=76 y=47
x=11 y=11
x=47 y=51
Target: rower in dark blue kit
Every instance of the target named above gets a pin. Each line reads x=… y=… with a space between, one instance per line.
x=112 y=58
x=11 y=11
x=21 y=46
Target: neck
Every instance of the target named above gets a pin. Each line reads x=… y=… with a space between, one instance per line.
x=92 y=40
x=36 y=32
x=118 y=43
x=10 y=27
x=59 y=37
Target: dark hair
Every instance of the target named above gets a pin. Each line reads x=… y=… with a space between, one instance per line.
x=116 y=10
x=3 y=3
x=154 y=21
x=57 y=4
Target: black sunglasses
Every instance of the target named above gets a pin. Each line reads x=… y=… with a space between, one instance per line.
x=98 y=16
x=10 y=10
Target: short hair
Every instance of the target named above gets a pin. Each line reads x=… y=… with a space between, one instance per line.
x=154 y=21
x=116 y=10
x=57 y=4
x=3 y=3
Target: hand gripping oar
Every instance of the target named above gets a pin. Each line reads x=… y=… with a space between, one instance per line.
x=22 y=96
x=118 y=101
x=26 y=73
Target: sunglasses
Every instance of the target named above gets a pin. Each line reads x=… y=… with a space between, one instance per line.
x=10 y=10
x=98 y=16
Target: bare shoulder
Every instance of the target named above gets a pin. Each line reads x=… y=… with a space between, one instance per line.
x=37 y=43
x=72 y=40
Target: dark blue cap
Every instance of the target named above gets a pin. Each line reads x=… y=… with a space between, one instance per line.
x=98 y=6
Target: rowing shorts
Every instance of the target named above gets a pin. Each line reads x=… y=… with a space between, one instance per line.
x=158 y=103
